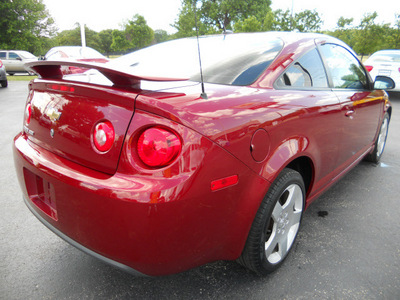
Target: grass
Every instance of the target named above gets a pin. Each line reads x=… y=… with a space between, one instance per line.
x=20 y=77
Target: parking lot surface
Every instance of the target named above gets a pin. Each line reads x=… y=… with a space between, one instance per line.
x=348 y=246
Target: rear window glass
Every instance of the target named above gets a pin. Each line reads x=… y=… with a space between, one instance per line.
x=386 y=57
x=233 y=59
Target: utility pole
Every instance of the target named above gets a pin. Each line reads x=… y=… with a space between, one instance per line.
x=83 y=36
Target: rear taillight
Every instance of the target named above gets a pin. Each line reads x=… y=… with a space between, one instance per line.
x=369 y=68
x=28 y=114
x=1 y=63
x=158 y=147
x=103 y=136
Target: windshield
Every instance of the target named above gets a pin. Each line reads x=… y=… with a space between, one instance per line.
x=26 y=54
x=235 y=59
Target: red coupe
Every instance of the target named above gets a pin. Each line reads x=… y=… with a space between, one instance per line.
x=155 y=167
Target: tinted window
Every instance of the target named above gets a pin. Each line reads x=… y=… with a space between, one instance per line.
x=3 y=55
x=234 y=59
x=344 y=68
x=308 y=71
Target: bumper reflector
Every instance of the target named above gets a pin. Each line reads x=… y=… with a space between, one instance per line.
x=224 y=182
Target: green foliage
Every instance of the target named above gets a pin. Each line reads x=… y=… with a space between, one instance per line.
x=307 y=20
x=304 y=21
x=216 y=16
x=73 y=38
x=368 y=37
x=119 y=41
x=393 y=36
x=250 y=24
x=25 y=25
x=138 y=33
x=160 y=36
x=105 y=41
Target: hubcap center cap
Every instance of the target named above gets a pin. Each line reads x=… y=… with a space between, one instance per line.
x=283 y=221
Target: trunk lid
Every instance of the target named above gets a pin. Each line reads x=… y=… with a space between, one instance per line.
x=64 y=116
x=64 y=113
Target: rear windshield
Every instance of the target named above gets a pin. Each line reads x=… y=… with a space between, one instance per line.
x=233 y=59
x=73 y=52
x=386 y=57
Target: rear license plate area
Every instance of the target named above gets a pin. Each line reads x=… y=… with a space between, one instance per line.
x=41 y=193
x=384 y=72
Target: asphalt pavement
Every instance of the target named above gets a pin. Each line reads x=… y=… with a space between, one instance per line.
x=348 y=246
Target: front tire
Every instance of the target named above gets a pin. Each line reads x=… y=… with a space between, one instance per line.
x=380 y=142
x=4 y=83
x=276 y=224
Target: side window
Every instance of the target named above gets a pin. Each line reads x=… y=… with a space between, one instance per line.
x=308 y=71
x=344 y=68
x=3 y=55
x=13 y=56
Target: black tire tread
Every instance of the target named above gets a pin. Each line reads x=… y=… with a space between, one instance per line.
x=250 y=257
x=373 y=156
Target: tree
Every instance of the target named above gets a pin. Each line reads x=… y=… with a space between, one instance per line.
x=218 y=15
x=345 y=31
x=304 y=21
x=370 y=36
x=160 y=36
x=307 y=20
x=393 y=37
x=25 y=25
x=138 y=33
x=73 y=37
x=250 y=24
x=105 y=41
x=119 y=41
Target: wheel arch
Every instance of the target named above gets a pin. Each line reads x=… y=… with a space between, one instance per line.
x=305 y=167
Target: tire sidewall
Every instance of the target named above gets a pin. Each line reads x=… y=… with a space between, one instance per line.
x=286 y=178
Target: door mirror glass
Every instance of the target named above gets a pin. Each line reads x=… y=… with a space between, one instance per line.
x=384 y=83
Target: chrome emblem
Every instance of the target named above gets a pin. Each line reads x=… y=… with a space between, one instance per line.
x=28 y=131
x=53 y=113
x=52 y=132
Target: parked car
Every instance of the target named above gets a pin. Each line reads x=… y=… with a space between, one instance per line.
x=385 y=63
x=3 y=75
x=76 y=53
x=14 y=60
x=154 y=170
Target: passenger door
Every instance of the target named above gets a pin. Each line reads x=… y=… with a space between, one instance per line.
x=360 y=106
x=304 y=86
x=14 y=63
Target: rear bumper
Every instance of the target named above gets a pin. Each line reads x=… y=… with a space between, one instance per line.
x=145 y=225
x=116 y=264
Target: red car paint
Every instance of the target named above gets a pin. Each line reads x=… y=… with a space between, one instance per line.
x=199 y=208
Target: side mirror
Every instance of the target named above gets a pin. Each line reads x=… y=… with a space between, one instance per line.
x=384 y=83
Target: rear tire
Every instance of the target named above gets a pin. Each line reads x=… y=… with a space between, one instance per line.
x=380 y=142
x=275 y=225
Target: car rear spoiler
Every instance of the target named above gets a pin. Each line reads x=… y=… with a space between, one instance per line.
x=120 y=78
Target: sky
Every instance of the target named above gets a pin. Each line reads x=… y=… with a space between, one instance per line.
x=160 y=14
